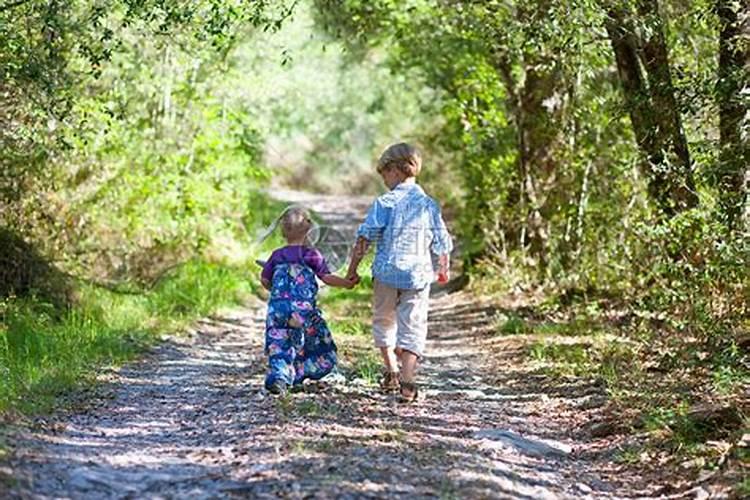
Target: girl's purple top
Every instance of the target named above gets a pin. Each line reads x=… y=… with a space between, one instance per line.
x=296 y=254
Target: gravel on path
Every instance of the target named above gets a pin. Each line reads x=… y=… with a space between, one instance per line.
x=191 y=420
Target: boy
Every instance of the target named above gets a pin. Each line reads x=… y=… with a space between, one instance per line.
x=410 y=235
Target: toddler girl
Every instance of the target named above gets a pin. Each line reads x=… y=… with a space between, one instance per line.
x=298 y=343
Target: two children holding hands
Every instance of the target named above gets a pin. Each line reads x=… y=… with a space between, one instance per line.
x=412 y=245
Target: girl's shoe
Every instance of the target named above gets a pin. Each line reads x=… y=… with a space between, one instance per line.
x=389 y=382
x=409 y=392
x=278 y=387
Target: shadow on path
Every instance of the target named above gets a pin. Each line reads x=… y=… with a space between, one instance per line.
x=191 y=421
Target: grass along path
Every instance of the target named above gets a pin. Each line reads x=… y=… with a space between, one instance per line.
x=191 y=420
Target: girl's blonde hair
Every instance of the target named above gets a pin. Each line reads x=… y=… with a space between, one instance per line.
x=295 y=222
x=402 y=156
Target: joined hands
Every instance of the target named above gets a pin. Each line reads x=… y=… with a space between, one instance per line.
x=353 y=278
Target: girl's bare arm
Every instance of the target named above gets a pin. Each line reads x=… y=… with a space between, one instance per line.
x=338 y=281
x=266 y=283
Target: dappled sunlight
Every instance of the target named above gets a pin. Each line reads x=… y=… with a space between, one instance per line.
x=588 y=313
x=193 y=418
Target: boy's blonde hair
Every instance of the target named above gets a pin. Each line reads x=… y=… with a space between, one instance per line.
x=295 y=222
x=402 y=156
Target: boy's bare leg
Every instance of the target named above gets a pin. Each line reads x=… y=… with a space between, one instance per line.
x=408 y=365
x=389 y=359
x=389 y=381
x=398 y=352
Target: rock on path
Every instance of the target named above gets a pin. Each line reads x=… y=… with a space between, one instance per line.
x=191 y=421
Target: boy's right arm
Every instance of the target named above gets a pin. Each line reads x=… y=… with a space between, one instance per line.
x=444 y=269
x=442 y=243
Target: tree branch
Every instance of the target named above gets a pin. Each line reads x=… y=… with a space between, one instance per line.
x=12 y=5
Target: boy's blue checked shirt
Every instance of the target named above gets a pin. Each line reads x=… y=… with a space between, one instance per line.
x=409 y=233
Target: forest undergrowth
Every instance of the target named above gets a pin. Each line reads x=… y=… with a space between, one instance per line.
x=671 y=351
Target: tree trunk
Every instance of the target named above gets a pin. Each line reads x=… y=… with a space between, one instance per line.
x=539 y=134
x=643 y=68
x=679 y=185
x=733 y=76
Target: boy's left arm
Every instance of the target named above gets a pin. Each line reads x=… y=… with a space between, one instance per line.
x=358 y=253
x=370 y=229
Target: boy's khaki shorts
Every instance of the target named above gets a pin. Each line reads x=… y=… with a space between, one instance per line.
x=399 y=317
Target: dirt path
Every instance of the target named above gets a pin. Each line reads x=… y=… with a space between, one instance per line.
x=191 y=421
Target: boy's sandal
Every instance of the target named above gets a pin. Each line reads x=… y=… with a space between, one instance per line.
x=390 y=382
x=409 y=392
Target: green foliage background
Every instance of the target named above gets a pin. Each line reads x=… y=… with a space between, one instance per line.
x=139 y=140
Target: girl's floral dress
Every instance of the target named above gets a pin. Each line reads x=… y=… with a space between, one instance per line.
x=295 y=354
